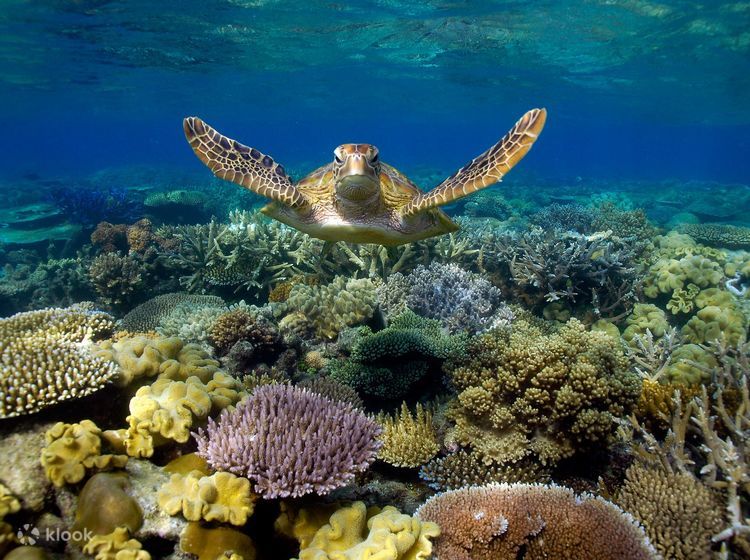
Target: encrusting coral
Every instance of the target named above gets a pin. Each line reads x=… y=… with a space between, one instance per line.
x=532 y=521
x=46 y=357
x=73 y=451
x=355 y=532
x=290 y=442
x=221 y=497
x=523 y=393
x=408 y=441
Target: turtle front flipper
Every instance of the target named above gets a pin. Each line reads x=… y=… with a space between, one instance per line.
x=230 y=160
x=485 y=170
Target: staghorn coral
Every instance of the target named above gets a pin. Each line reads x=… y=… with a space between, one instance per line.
x=599 y=271
x=145 y=356
x=73 y=451
x=679 y=514
x=116 y=278
x=290 y=442
x=149 y=315
x=325 y=310
x=46 y=357
x=388 y=362
x=408 y=441
x=470 y=469
x=719 y=235
x=221 y=497
x=524 y=393
x=532 y=521
x=168 y=408
x=355 y=533
x=461 y=300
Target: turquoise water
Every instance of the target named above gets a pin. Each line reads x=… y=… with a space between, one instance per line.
x=555 y=329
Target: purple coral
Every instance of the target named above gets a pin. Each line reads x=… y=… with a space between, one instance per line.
x=291 y=442
x=461 y=300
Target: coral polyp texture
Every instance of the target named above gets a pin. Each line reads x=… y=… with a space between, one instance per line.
x=532 y=521
x=290 y=442
x=408 y=441
x=46 y=357
x=719 y=235
x=525 y=393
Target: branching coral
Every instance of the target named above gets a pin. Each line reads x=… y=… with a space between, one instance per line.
x=46 y=358
x=525 y=393
x=325 y=310
x=532 y=521
x=116 y=278
x=290 y=442
x=408 y=441
x=461 y=300
x=242 y=323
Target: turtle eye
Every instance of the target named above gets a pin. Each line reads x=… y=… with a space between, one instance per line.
x=374 y=159
x=337 y=158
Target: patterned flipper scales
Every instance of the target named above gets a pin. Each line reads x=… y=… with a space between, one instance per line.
x=230 y=160
x=485 y=170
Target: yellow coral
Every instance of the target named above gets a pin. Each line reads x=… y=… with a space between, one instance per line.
x=116 y=546
x=8 y=502
x=104 y=505
x=216 y=543
x=146 y=356
x=221 y=497
x=408 y=441
x=356 y=533
x=656 y=404
x=645 y=316
x=689 y=364
x=716 y=323
x=73 y=450
x=167 y=409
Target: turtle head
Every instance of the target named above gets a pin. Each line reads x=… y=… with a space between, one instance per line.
x=356 y=172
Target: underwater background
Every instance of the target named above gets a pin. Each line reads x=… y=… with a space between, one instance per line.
x=565 y=376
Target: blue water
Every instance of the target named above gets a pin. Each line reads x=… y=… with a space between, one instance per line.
x=634 y=89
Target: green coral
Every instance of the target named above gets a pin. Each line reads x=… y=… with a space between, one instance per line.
x=645 y=316
x=388 y=362
x=689 y=364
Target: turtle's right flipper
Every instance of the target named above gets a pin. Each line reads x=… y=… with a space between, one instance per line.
x=230 y=160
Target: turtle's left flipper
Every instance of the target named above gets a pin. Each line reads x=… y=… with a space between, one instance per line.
x=485 y=170
x=230 y=160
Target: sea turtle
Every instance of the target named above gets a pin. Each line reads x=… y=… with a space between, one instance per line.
x=357 y=198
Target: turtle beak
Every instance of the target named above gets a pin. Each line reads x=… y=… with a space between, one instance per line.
x=356 y=164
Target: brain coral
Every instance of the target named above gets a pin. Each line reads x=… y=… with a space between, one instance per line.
x=290 y=441
x=46 y=358
x=526 y=393
x=532 y=521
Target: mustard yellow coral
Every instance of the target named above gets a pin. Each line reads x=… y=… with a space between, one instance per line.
x=73 y=450
x=216 y=543
x=221 y=497
x=167 y=409
x=356 y=533
x=8 y=502
x=408 y=441
x=116 y=546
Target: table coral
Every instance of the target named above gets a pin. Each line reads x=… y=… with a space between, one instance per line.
x=356 y=533
x=680 y=515
x=408 y=441
x=221 y=497
x=290 y=442
x=46 y=358
x=719 y=235
x=525 y=393
x=74 y=450
x=532 y=521
x=148 y=315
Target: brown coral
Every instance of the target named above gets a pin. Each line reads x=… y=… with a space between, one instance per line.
x=532 y=521
x=140 y=235
x=110 y=238
x=240 y=324
x=116 y=278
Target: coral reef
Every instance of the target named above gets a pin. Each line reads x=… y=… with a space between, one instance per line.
x=408 y=441
x=210 y=543
x=116 y=278
x=564 y=217
x=149 y=315
x=221 y=497
x=533 y=521
x=241 y=323
x=525 y=393
x=104 y=505
x=623 y=223
x=332 y=389
x=461 y=300
x=73 y=451
x=290 y=442
x=355 y=532
x=47 y=357
x=116 y=545
x=325 y=310
x=387 y=363
x=719 y=235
